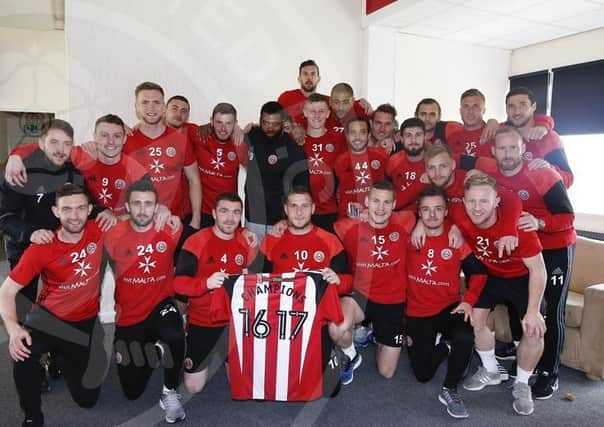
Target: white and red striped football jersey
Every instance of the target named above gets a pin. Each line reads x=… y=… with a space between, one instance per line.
x=279 y=346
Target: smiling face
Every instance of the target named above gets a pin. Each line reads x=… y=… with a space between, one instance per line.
x=357 y=136
x=316 y=114
x=380 y=204
x=227 y=216
x=480 y=202
x=299 y=209
x=471 y=110
x=72 y=212
x=109 y=139
x=520 y=110
x=150 y=106
x=56 y=145
x=223 y=125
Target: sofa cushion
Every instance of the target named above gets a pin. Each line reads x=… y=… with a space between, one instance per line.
x=574 y=309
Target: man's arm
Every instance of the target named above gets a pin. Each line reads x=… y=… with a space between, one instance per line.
x=19 y=338
x=192 y=173
x=532 y=322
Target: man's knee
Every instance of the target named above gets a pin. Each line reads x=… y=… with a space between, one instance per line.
x=386 y=370
x=87 y=398
x=194 y=383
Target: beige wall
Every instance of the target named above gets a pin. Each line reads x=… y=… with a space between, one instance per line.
x=33 y=71
x=583 y=47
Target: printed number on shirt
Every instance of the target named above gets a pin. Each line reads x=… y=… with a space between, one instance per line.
x=141 y=250
x=260 y=328
x=410 y=175
x=105 y=182
x=301 y=255
x=77 y=256
x=470 y=147
x=378 y=240
x=317 y=147
x=155 y=151
x=359 y=166
x=430 y=253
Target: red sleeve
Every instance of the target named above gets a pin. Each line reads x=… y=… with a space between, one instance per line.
x=24 y=150
x=559 y=214
x=545 y=121
x=251 y=252
x=510 y=209
x=242 y=153
x=406 y=219
x=29 y=266
x=359 y=110
x=452 y=128
x=330 y=306
x=529 y=244
x=220 y=307
x=474 y=288
x=342 y=226
x=195 y=286
x=189 y=153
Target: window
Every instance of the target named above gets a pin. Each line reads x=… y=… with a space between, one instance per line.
x=537 y=82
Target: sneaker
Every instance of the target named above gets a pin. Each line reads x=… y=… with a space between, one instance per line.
x=53 y=366
x=348 y=367
x=33 y=420
x=505 y=375
x=545 y=386
x=450 y=398
x=523 y=402
x=170 y=402
x=362 y=336
x=481 y=379
x=45 y=384
x=505 y=350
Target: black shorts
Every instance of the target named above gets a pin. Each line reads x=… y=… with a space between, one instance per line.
x=500 y=290
x=202 y=344
x=387 y=319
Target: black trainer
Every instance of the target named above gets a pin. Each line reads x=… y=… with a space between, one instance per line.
x=33 y=420
x=545 y=386
x=505 y=350
x=45 y=384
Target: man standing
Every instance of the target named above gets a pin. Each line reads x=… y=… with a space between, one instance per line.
x=406 y=167
x=357 y=168
x=518 y=278
x=164 y=152
x=548 y=211
x=276 y=163
x=383 y=128
x=218 y=159
x=64 y=320
x=207 y=258
x=520 y=105
x=469 y=140
x=434 y=304
x=344 y=107
x=376 y=252
x=147 y=320
x=322 y=146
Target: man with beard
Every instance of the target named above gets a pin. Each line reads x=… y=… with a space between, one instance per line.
x=442 y=173
x=548 y=211
x=276 y=164
x=469 y=140
x=64 y=319
x=205 y=261
x=164 y=152
x=218 y=159
x=434 y=303
x=304 y=246
x=308 y=77
x=107 y=176
x=383 y=128
x=344 y=107
x=518 y=278
x=357 y=168
x=406 y=168
x=148 y=324
x=376 y=252
x=520 y=106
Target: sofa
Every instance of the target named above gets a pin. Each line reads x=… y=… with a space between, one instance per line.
x=584 y=344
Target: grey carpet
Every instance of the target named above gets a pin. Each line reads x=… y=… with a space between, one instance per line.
x=369 y=400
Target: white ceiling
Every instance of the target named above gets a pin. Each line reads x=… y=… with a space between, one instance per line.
x=507 y=24
x=32 y=14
